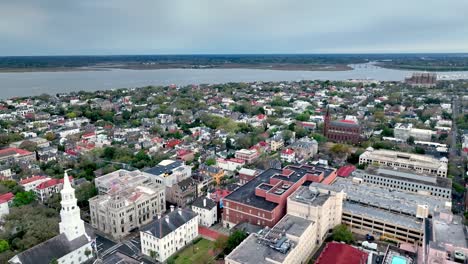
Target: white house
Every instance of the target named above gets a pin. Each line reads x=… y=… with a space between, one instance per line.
x=206 y=210
x=288 y=155
x=166 y=235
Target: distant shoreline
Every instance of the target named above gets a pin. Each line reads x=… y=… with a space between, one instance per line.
x=107 y=67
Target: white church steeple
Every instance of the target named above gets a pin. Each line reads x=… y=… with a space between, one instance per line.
x=71 y=224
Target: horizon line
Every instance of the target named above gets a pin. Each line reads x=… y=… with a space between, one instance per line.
x=241 y=54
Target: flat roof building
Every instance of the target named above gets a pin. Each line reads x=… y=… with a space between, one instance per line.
x=287 y=242
x=407 y=181
x=262 y=200
x=420 y=163
x=119 y=179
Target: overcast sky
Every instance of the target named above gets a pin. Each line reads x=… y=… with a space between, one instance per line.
x=73 y=27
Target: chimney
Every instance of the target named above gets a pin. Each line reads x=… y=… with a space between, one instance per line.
x=172 y=208
x=159 y=215
x=204 y=202
x=167 y=218
x=180 y=210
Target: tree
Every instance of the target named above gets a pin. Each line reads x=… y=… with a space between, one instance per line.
x=23 y=198
x=84 y=192
x=87 y=252
x=419 y=150
x=234 y=240
x=410 y=140
x=342 y=233
x=53 y=261
x=27 y=226
x=49 y=136
x=153 y=254
x=10 y=186
x=210 y=162
x=221 y=243
x=4 y=246
x=340 y=149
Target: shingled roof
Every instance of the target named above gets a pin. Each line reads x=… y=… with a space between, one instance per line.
x=165 y=225
x=54 y=248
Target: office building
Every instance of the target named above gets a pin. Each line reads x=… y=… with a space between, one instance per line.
x=341 y=131
x=115 y=181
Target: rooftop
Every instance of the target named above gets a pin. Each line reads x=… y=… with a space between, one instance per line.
x=338 y=253
x=165 y=225
x=203 y=202
x=165 y=166
x=382 y=215
x=382 y=197
x=309 y=195
x=448 y=230
x=271 y=243
x=403 y=158
x=293 y=173
x=407 y=175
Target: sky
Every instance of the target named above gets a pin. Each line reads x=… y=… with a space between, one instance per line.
x=106 y=27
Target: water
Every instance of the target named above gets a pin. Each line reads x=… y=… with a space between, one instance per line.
x=35 y=83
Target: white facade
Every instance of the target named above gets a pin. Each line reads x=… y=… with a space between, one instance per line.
x=165 y=244
x=230 y=164
x=206 y=216
x=404 y=131
x=4 y=209
x=423 y=164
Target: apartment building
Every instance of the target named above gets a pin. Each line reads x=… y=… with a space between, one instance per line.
x=423 y=164
x=169 y=172
x=168 y=234
x=288 y=242
x=46 y=189
x=276 y=143
x=406 y=181
x=248 y=155
x=206 y=210
x=404 y=131
x=124 y=209
x=182 y=193
x=16 y=155
x=319 y=205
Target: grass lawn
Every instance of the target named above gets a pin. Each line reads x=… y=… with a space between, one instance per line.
x=196 y=254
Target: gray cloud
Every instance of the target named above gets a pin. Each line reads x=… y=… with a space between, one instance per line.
x=47 y=27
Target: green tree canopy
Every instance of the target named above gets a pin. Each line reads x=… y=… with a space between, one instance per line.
x=342 y=233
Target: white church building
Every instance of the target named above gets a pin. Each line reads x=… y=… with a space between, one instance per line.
x=74 y=243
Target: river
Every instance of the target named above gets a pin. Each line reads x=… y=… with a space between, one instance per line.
x=34 y=83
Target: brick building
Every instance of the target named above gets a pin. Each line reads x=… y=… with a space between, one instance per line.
x=262 y=200
x=342 y=131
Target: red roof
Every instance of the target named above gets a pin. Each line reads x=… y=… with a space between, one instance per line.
x=337 y=253
x=32 y=179
x=288 y=151
x=345 y=171
x=261 y=116
x=52 y=182
x=183 y=152
x=348 y=121
x=219 y=194
x=91 y=134
x=173 y=142
x=6 y=197
x=11 y=151
x=465 y=150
